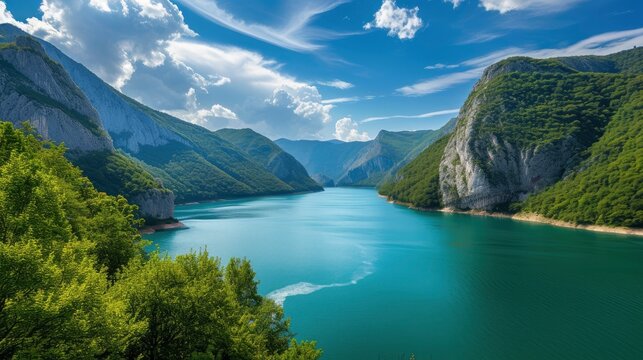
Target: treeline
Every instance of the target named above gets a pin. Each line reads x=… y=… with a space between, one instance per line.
x=77 y=284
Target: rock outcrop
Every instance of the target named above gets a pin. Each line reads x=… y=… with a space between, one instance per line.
x=155 y=204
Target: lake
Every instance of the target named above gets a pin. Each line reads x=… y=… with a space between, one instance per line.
x=369 y=279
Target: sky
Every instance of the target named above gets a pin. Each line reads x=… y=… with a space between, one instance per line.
x=317 y=69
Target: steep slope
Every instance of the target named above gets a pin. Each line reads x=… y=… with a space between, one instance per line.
x=190 y=160
x=567 y=130
x=36 y=89
x=270 y=156
x=418 y=183
x=387 y=153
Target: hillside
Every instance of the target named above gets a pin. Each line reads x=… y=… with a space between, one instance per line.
x=270 y=156
x=368 y=163
x=37 y=90
x=567 y=130
x=190 y=160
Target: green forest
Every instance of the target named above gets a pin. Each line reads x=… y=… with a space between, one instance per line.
x=77 y=283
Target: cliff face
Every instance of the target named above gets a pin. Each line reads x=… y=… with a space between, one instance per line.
x=481 y=173
x=155 y=204
x=35 y=89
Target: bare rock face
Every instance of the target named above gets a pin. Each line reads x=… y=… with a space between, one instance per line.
x=483 y=172
x=155 y=204
x=37 y=90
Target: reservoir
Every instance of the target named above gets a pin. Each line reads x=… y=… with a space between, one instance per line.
x=369 y=279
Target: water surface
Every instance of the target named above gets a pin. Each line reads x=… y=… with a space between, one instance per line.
x=371 y=280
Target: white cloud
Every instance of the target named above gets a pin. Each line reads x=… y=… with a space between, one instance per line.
x=347 y=99
x=294 y=33
x=212 y=118
x=110 y=37
x=264 y=98
x=542 y=6
x=441 y=66
x=602 y=44
x=145 y=49
x=400 y=22
x=420 y=116
x=539 y=6
x=455 y=3
x=347 y=130
x=339 y=84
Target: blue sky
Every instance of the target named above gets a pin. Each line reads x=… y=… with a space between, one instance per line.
x=319 y=68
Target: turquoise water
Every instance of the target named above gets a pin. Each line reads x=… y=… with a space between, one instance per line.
x=371 y=280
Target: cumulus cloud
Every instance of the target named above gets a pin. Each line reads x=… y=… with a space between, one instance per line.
x=400 y=22
x=347 y=130
x=339 y=84
x=145 y=49
x=214 y=117
x=110 y=37
x=602 y=44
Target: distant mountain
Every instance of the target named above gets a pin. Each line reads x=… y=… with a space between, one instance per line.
x=270 y=156
x=192 y=161
x=367 y=163
x=37 y=90
x=557 y=137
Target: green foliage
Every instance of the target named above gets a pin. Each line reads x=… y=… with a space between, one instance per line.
x=76 y=283
x=116 y=173
x=607 y=189
x=418 y=183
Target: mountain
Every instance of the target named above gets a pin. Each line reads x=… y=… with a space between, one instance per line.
x=190 y=160
x=325 y=161
x=37 y=90
x=563 y=134
x=270 y=156
x=367 y=163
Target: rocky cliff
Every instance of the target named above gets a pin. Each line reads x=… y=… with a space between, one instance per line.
x=35 y=89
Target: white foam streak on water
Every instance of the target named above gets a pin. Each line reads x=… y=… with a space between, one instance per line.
x=304 y=288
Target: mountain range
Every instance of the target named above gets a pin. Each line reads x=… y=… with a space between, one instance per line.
x=361 y=163
x=125 y=147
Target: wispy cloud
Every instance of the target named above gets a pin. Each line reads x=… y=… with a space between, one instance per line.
x=441 y=66
x=339 y=84
x=420 y=116
x=601 y=44
x=540 y=6
x=295 y=33
x=347 y=99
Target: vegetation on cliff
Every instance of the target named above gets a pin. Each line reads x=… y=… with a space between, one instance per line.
x=76 y=282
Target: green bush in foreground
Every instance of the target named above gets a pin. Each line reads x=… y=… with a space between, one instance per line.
x=76 y=283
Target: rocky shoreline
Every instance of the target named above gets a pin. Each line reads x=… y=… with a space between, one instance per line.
x=528 y=217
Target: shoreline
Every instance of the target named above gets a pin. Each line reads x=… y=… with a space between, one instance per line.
x=528 y=217
x=151 y=229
